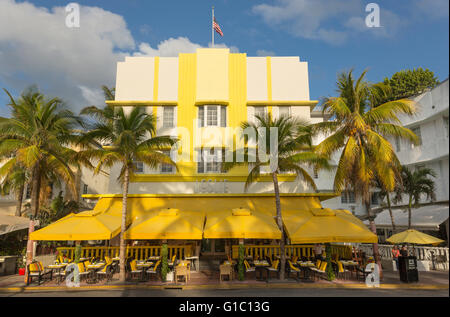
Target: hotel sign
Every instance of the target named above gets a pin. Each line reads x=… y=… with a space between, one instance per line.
x=211 y=186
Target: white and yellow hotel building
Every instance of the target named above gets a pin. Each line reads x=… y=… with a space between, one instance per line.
x=198 y=98
x=195 y=97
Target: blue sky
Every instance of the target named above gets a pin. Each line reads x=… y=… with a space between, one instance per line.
x=36 y=47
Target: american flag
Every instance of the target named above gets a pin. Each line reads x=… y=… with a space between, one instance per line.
x=217 y=27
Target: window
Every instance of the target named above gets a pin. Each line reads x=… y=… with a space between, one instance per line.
x=315 y=173
x=28 y=192
x=167 y=168
x=138 y=167
x=417 y=132
x=85 y=189
x=168 y=117
x=348 y=197
x=446 y=126
x=374 y=198
x=260 y=111
x=210 y=161
x=397 y=144
x=284 y=111
x=212 y=116
x=420 y=166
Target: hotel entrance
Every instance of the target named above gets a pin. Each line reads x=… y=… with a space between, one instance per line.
x=213 y=246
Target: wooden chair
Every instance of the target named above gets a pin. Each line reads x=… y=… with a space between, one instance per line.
x=226 y=269
x=181 y=270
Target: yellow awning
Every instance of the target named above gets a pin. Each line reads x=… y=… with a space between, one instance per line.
x=87 y=225
x=414 y=237
x=240 y=223
x=318 y=225
x=169 y=223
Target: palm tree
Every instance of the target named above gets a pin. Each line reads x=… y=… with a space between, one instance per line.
x=360 y=129
x=15 y=178
x=415 y=185
x=37 y=137
x=129 y=138
x=386 y=193
x=294 y=152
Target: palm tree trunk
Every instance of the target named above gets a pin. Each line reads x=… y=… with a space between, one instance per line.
x=390 y=212
x=35 y=190
x=409 y=212
x=19 y=197
x=376 y=253
x=124 y=223
x=280 y=225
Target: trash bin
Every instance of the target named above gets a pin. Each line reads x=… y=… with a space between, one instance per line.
x=408 y=269
x=8 y=265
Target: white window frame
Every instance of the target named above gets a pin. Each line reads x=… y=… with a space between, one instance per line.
x=210 y=163
x=419 y=134
x=445 y=119
x=168 y=124
x=203 y=122
x=398 y=146
x=259 y=108
x=284 y=107
x=164 y=165
x=348 y=197
x=136 y=164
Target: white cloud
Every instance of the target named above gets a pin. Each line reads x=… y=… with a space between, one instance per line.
x=331 y=21
x=433 y=8
x=306 y=18
x=37 y=48
x=265 y=53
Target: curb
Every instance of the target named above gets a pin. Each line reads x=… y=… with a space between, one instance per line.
x=37 y=289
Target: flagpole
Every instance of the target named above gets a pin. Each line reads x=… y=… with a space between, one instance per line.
x=212 y=27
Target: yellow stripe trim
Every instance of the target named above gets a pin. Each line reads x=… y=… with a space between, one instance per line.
x=321 y=196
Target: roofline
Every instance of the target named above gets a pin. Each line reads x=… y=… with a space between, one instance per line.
x=321 y=196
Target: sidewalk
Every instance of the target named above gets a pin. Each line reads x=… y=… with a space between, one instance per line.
x=210 y=280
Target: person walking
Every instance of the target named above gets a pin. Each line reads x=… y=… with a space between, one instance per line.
x=395 y=255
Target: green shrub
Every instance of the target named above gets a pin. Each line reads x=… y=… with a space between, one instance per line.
x=164 y=264
x=330 y=272
x=241 y=262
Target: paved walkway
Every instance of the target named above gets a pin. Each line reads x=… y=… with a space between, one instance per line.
x=436 y=280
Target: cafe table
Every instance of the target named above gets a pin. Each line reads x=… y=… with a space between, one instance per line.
x=92 y=268
x=57 y=268
x=306 y=268
x=260 y=266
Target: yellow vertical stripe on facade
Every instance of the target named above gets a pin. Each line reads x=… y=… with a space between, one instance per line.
x=237 y=110
x=269 y=82
x=156 y=85
x=187 y=112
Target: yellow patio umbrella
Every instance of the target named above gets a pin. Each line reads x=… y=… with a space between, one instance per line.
x=412 y=236
x=240 y=223
x=168 y=223
x=324 y=225
x=87 y=225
